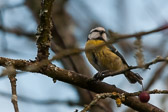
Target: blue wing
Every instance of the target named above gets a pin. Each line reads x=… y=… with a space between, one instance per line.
x=114 y=50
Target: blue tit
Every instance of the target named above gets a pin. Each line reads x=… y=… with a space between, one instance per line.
x=107 y=57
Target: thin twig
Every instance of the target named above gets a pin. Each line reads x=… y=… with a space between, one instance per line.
x=73 y=51
x=140 y=34
x=155 y=91
x=146 y=66
x=96 y=99
x=12 y=78
x=156 y=76
x=18 y=32
x=118 y=95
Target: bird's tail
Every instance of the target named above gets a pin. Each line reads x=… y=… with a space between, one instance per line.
x=133 y=77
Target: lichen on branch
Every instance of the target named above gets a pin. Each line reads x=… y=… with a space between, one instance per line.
x=77 y=79
x=43 y=34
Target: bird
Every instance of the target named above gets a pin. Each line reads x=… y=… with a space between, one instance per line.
x=107 y=57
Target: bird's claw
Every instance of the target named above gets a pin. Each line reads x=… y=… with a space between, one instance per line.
x=98 y=76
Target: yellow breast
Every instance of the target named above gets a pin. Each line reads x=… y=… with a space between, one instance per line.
x=106 y=59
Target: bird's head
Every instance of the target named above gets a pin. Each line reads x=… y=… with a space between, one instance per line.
x=97 y=33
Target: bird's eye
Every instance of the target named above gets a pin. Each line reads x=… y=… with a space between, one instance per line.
x=101 y=32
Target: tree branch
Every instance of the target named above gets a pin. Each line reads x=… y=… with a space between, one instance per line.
x=140 y=34
x=44 y=30
x=122 y=97
x=156 y=76
x=78 y=80
x=114 y=38
x=18 y=31
x=12 y=78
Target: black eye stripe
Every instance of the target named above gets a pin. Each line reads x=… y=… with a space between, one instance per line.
x=98 y=38
x=102 y=32
x=98 y=31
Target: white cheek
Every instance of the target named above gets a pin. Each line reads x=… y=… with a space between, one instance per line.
x=94 y=35
x=104 y=37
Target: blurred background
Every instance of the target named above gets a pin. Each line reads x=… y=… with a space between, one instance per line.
x=73 y=19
